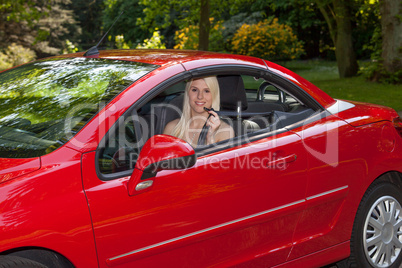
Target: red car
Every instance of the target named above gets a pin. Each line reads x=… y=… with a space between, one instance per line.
x=88 y=179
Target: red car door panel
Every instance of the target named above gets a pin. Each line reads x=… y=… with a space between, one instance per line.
x=337 y=166
x=230 y=206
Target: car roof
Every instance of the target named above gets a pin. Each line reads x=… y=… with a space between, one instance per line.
x=157 y=56
x=194 y=58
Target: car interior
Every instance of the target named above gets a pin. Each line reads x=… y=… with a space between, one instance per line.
x=246 y=110
x=250 y=105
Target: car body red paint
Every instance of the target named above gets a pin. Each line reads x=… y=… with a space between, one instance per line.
x=283 y=199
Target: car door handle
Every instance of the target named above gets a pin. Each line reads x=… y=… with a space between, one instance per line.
x=280 y=162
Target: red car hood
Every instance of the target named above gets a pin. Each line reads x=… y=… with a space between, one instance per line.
x=12 y=168
x=365 y=113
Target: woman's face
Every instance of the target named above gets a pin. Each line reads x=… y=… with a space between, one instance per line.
x=200 y=96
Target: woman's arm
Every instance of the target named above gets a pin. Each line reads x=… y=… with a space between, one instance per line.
x=218 y=130
x=170 y=126
x=224 y=132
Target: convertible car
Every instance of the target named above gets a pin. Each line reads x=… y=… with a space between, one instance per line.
x=88 y=179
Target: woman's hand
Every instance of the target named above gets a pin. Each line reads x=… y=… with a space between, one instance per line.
x=214 y=123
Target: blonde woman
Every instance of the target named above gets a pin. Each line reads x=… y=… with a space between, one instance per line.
x=199 y=94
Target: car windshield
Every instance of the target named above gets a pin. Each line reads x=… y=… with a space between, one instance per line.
x=44 y=103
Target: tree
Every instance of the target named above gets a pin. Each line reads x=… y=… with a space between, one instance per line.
x=39 y=25
x=88 y=14
x=127 y=24
x=391 y=28
x=267 y=39
x=305 y=19
x=18 y=19
x=337 y=14
x=203 y=41
x=55 y=30
x=23 y=11
x=178 y=14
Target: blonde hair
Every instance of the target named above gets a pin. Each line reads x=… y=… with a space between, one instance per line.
x=212 y=82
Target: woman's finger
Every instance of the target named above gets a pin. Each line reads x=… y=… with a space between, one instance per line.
x=213 y=113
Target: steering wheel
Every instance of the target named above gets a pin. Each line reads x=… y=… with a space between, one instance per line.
x=264 y=86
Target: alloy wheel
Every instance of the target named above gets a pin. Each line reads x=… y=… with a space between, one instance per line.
x=382 y=237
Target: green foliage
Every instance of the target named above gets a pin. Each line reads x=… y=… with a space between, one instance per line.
x=19 y=21
x=155 y=42
x=88 y=15
x=15 y=55
x=267 y=39
x=231 y=25
x=126 y=26
x=375 y=71
x=22 y=10
x=120 y=42
x=187 y=38
x=305 y=19
x=367 y=30
x=40 y=25
x=69 y=47
x=158 y=13
x=53 y=30
x=175 y=15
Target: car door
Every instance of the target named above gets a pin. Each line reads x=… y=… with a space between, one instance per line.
x=335 y=169
x=238 y=204
x=231 y=207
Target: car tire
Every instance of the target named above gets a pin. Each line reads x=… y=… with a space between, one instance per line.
x=376 y=239
x=18 y=262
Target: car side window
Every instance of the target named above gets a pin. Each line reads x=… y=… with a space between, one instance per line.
x=269 y=107
x=122 y=144
x=248 y=104
x=121 y=148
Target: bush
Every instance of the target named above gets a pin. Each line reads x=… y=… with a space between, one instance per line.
x=15 y=55
x=187 y=38
x=231 y=26
x=69 y=47
x=267 y=39
x=154 y=42
x=375 y=72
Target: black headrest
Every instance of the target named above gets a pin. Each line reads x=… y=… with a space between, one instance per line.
x=232 y=92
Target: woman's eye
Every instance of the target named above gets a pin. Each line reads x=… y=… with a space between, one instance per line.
x=193 y=89
x=207 y=91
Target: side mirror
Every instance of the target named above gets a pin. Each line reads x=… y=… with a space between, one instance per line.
x=160 y=152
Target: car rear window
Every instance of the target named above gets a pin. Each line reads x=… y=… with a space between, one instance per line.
x=44 y=103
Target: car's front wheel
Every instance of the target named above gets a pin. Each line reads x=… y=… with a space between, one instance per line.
x=377 y=231
x=18 y=262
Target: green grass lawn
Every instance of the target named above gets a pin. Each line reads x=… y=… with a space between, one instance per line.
x=325 y=75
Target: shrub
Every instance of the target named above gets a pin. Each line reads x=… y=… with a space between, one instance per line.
x=187 y=38
x=267 y=39
x=120 y=42
x=154 y=42
x=375 y=72
x=15 y=55
x=231 y=26
x=69 y=47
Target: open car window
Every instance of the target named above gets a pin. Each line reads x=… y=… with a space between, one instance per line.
x=259 y=107
x=45 y=103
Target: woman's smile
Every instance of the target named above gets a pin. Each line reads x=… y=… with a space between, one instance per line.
x=200 y=96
